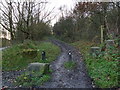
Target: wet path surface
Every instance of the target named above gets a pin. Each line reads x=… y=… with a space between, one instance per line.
x=63 y=78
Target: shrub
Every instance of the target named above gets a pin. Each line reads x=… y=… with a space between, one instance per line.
x=103 y=68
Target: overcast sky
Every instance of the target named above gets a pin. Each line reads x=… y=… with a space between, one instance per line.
x=56 y=4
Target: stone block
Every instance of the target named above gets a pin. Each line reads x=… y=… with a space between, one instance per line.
x=39 y=67
x=110 y=43
x=95 y=51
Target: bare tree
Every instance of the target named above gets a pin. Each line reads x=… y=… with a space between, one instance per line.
x=7 y=18
x=21 y=15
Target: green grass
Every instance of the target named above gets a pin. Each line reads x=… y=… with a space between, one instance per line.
x=32 y=79
x=103 y=69
x=69 y=65
x=103 y=72
x=19 y=56
x=12 y=58
x=83 y=46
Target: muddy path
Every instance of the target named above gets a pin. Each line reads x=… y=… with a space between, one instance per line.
x=63 y=78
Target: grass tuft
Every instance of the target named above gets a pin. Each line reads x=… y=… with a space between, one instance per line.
x=32 y=79
x=69 y=65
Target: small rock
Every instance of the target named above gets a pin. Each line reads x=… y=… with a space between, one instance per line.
x=20 y=85
x=38 y=67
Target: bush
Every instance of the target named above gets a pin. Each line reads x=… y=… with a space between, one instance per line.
x=29 y=53
x=39 y=31
x=36 y=31
x=28 y=44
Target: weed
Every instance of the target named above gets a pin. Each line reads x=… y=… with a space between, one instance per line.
x=69 y=65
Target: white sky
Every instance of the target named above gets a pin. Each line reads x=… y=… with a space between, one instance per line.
x=56 y=4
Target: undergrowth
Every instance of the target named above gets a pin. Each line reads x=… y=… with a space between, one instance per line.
x=70 y=65
x=32 y=79
x=103 y=68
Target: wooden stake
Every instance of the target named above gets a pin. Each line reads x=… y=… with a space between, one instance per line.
x=102 y=34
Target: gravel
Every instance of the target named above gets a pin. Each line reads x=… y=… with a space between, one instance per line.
x=63 y=78
x=8 y=77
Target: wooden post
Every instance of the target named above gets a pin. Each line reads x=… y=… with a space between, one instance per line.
x=70 y=55
x=43 y=55
x=102 y=34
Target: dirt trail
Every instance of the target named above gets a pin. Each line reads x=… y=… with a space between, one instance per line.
x=63 y=78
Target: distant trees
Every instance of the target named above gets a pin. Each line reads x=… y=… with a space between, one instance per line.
x=64 y=28
x=29 y=20
x=26 y=20
x=40 y=30
x=88 y=18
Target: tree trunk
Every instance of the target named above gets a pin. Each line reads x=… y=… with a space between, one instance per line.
x=118 y=22
x=12 y=36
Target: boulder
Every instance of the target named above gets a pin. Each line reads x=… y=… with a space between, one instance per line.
x=109 y=43
x=95 y=51
x=39 y=67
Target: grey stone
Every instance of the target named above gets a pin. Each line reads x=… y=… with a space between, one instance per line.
x=109 y=43
x=39 y=67
x=95 y=50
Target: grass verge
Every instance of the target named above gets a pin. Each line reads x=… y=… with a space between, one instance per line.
x=12 y=58
x=103 y=69
x=32 y=79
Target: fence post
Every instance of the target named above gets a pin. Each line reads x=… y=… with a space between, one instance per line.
x=43 y=55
